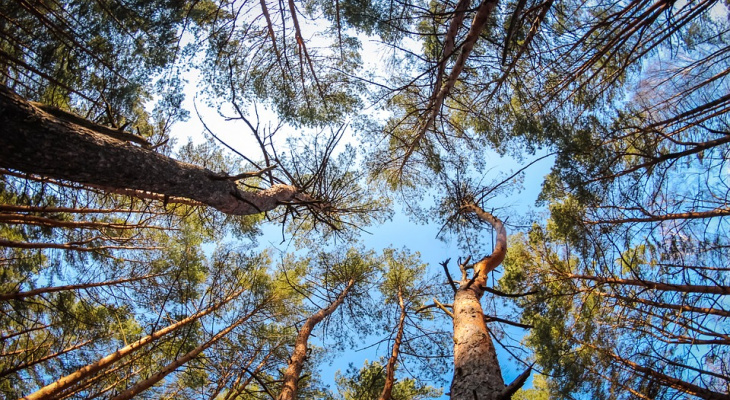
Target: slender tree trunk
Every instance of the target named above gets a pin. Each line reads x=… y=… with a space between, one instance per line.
x=71 y=246
x=669 y=287
x=88 y=383
x=299 y=356
x=63 y=146
x=237 y=387
x=390 y=369
x=477 y=375
x=171 y=367
x=72 y=210
x=49 y=391
x=36 y=292
x=438 y=96
x=43 y=359
x=24 y=219
x=670 y=381
x=678 y=307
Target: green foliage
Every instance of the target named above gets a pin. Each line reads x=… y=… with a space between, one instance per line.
x=539 y=390
x=368 y=383
x=630 y=97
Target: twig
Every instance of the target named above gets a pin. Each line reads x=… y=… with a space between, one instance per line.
x=473 y=278
x=503 y=294
x=443 y=308
x=462 y=267
x=244 y=175
x=448 y=275
x=490 y=318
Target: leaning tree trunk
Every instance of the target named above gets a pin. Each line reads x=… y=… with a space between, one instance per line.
x=180 y=361
x=37 y=139
x=52 y=390
x=299 y=355
x=390 y=369
x=477 y=375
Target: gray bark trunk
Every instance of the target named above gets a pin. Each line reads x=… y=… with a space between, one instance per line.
x=63 y=146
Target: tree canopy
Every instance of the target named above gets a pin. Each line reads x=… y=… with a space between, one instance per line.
x=133 y=264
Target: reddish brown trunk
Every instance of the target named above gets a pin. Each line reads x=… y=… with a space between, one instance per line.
x=171 y=367
x=477 y=375
x=24 y=219
x=390 y=369
x=299 y=355
x=51 y=390
x=71 y=246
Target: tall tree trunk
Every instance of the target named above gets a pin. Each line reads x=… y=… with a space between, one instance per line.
x=667 y=380
x=35 y=292
x=477 y=375
x=390 y=369
x=299 y=355
x=171 y=367
x=669 y=287
x=51 y=390
x=38 y=140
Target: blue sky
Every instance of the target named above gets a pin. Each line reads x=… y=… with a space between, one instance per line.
x=399 y=232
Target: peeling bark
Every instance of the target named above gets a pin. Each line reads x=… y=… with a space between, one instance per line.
x=35 y=141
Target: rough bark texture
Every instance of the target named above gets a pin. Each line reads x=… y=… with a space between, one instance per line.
x=476 y=370
x=477 y=375
x=299 y=355
x=35 y=141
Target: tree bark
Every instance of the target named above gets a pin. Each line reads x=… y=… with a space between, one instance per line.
x=171 y=367
x=299 y=355
x=51 y=390
x=35 y=141
x=76 y=246
x=667 y=380
x=669 y=287
x=390 y=369
x=24 y=219
x=35 y=292
x=477 y=375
